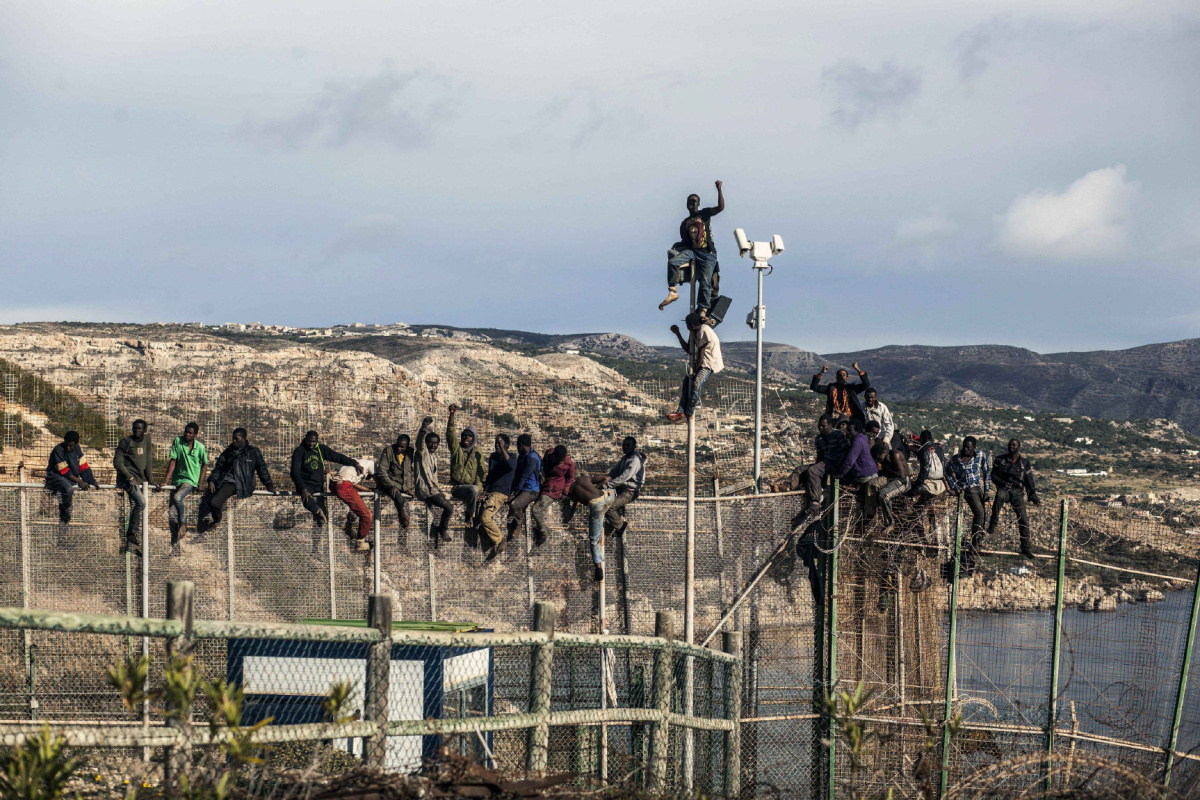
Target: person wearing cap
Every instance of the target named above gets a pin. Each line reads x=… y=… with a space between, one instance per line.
x=704 y=349
x=67 y=471
x=467 y=469
x=133 y=462
x=187 y=465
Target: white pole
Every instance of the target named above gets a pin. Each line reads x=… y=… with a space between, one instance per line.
x=376 y=556
x=689 y=590
x=603 y=670
x=758 y=381
x=146 y=602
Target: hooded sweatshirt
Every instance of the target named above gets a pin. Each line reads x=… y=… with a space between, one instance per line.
x=466 y=463
x=426 y=467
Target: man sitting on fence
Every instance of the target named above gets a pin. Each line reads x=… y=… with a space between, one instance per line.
x=346 y=483
x=308 y=474
x=233 y=474
x=497 y=486
x=395 y=475
x=429 y=491
x=590 y=491
x=968 y=473
x=858 y=468
x=841 y=398
x=892 y=481
x=187 y=466
x=67 y=471
x=526 y=485
x=558 y=472
x=466 y=467
x=133 y=463
x=1013 y=477
x=832 y=447
x=625 y=479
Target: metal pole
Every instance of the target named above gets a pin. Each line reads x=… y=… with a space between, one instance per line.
x=689 y=581
x=758 y=382
x=1183 y=680
x=146 y=603
x=952 y=647
x=433 y=589
x=230 y=564
x=332 y=570
x=1052 y=711
x=24 y=532
x=831 y=686
x=603 y=672
x=732 y=642
x=379 y=661
x=376 y=556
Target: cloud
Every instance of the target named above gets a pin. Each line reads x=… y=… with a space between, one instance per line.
x=977 y=46
x=863 y=94
x=1091 y=219
x=925 y=228
x=10 y=315
x=582 y=115
x=375 y=234
x=400 y=110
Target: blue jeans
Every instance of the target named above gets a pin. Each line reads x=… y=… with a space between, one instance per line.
x=596 y=510
x=706 y=265
x=137 y=501
x=689 y=392
x=177 y=514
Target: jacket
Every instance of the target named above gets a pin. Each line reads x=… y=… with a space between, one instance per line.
x=240 y=467
x=858 y=463
x=849 y=393
x=308 y=466
x=500 y=473
x=426 y=468
x=559 y=477
x=881 y=414
x=629 y=473
x=132 y=460
x=528 y=474
x=1014 y=476
x=72 y=463
x=466 y=466
x=396 y=472
x=831 y=448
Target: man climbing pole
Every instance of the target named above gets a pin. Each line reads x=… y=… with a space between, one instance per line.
x=695 y=246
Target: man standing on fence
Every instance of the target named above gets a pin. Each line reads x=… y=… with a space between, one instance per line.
x=466 y=467
x=967 y=472
x=429 y=491
x=395 y=475
x=831 y=446
x=308 y=474
x=233 y=474
x=526 y=485
x=67 y=471
x=841 y=398
x=1013 y=477
x=696 y=247
x=345 y=483
x=497 y=486
x=187 y=466
x=625 y=479
x=132 y=462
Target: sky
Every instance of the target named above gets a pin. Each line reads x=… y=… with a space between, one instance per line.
x=1022 y=173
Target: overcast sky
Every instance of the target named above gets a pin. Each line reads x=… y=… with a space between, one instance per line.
x=1021 y=173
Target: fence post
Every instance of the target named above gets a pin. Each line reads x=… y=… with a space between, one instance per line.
x=831 y=658
x=145 y=562
x=541 y=663
x=952 y=646
x=376 y=556
x=230 y=564
x=664 y=628
x=379 y=661
x=1052 y=710
x=332 y=570
x=179 y=757
x=733 y=712
x=27 y=635
x=1183 y=680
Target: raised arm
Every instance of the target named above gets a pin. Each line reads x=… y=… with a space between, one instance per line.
x=682 y=342
x=720 y=201
x=864 y=382
x=815 y=383
x=451 y=439
x=421 y=434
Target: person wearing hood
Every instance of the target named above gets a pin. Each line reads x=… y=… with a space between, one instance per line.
x=625 y=479
x=466 y=466
x=67 y=471
x=497 y=486
x=308 y=473
x=132 y=462
x=842 y=398
x=428 y=490
x=559 y=471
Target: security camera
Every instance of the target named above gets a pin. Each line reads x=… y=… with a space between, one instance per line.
x=777 y=244
x=742 y=242
x=750 y=321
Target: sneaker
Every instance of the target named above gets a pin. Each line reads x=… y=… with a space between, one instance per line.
x=134 y=546
x=1027 y=549
x=320 y=518
x=176 y=550
x=495 y=551
x=599 y=572
x=620 y=530
x=445 y=536
x=203 y=526
x=362 y=546
x=672 y=296
x=675 y=416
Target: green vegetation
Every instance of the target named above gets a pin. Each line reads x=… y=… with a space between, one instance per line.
x=63 y=410
x=39 y=769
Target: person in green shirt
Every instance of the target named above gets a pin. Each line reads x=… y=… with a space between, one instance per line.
x=186 y=469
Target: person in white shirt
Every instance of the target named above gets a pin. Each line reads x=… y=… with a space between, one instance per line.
x=877 y=411
x=345 y=483
x=705 y=349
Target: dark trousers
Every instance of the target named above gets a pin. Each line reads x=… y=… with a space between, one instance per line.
x=401 y=503
x=65 y=489
x=439 y=501
x=973 y=497
x=516 y=512
x=1017 y=500
x=213 y=503
x=615 y=516
x=314 y=504
x=137 y=504
x=809 y=479
x=690 y=389
x=541 y=528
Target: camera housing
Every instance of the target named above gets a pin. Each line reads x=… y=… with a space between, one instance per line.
x=742 y=242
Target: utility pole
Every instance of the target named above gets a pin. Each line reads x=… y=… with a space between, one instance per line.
x=760 y=253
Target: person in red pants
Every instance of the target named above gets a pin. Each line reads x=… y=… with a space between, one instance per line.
x=345 y=484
